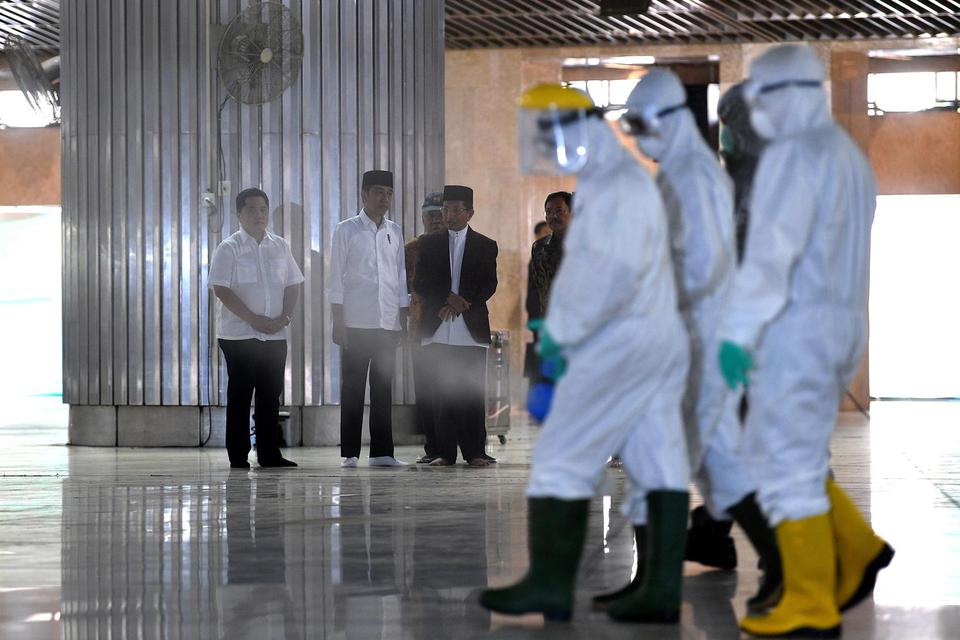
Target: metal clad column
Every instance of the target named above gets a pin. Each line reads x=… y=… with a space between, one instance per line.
x=331 y=196
x=134 y=205
x=140 y=357
x=105 y=215
x=190 y=56
x=117 y=198
x=153 y=311
x=293 y=111
x=69 y=201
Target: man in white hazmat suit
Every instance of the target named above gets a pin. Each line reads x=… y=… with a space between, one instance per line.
x=797 y=312
x=698 y=199
x=613 y=314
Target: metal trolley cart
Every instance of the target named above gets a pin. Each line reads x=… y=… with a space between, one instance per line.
x=498 y=385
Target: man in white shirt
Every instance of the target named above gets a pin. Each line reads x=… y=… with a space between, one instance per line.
x=456 y=274
x=255 y=278
x=367 y=289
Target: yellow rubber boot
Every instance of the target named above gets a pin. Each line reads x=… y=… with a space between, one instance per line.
x=861 y=553
x=807 y=608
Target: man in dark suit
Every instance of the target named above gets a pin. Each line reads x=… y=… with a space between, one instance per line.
x=455 y=276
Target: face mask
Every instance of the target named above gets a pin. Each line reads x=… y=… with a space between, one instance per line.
x=651 y=146
x=762 y=123
x=727 y=140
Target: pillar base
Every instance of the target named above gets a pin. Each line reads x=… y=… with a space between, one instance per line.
x=174 y=426
x=321 y=426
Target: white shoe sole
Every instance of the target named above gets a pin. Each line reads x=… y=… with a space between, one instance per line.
x=384 y=461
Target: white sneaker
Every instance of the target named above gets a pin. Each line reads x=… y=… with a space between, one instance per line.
x=386 y=461
x=349 y=463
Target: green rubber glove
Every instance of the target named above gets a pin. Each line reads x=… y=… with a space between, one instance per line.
x=547 y=347
x=735 y=362
x=553 y=364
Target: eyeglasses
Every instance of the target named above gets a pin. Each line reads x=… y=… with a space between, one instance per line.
x=803 y=84
x=753 y=90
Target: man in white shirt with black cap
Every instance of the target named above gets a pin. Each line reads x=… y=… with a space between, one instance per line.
x=367 y=289
x=255 y=278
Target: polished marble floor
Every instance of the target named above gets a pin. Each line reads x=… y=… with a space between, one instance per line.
x=170 y=544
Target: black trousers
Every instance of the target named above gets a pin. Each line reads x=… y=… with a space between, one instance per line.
x=459 y=400
x=254 y=371
x=374 y=350
x=423 y=384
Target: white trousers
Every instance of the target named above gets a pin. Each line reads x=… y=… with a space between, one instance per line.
x=621 y=394
x=804 y=363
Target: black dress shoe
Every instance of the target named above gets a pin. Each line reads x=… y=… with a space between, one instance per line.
x=243 y=464
x=278 y=462
x=488 y=458
x=426 y=459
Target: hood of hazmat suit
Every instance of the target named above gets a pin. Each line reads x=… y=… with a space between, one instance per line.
x=616 y=263
x=697 y=194
x=698 y=198
x=812 y=204
x=741 y=153
x=735 y=116
x=652 y=112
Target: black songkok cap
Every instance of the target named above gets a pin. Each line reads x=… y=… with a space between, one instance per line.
x=377 y=179
x=457 y=192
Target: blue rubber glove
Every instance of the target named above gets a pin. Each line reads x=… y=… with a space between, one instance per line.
x=552 y=366
x=539 y=399
x=735 y=362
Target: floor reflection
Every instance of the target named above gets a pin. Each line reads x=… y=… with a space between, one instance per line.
x=169 y=545
x=255 y=600
x=260 y=555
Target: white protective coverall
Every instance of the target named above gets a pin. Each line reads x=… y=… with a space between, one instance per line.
x=613 y=310
x=799 y=300
x=698 y=199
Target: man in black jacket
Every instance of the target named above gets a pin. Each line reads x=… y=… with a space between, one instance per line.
x=545 y=257
x=455 y=276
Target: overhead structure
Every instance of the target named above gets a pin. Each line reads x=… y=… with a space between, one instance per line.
x=37 y=22
x=35 y=79
x=474 y=24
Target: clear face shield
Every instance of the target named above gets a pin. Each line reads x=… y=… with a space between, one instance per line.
x=552 y=141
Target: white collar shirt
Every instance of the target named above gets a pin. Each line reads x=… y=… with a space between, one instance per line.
x=258 y=273
x=455 y=332
x=368 y=273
